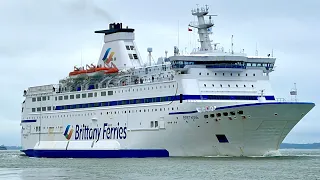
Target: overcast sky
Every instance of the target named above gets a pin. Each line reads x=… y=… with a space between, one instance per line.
x=41 y=41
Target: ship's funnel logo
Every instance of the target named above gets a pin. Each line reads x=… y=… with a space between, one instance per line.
x=108 y=57
x=68 y=133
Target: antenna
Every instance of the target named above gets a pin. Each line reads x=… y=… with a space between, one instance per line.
x=178 y=32
x=272 y=53
x=256 y=49
x=232 y=44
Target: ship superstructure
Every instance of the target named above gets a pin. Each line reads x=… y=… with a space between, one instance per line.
x=208 y=103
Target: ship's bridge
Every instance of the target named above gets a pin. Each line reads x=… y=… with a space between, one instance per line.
x=222 y=62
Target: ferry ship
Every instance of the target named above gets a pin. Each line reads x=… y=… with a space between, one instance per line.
x=206 y=103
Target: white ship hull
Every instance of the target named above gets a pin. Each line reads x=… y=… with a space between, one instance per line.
x=259 y=130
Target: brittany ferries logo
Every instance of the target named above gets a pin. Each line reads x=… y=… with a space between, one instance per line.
x=68 y=133
x=108 y=57
x=84 y=132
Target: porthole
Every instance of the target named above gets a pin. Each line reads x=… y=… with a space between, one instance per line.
x=240 y=112
x=246 y=74
x=236 y=85
x=207 y=74
x=225 y=114
x=252 y=85
x=254 y=74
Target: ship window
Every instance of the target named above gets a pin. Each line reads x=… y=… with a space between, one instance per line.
x=151 y=124
x=246 y=74
x=244 y=85
x=205 y=85
x=95 y=94
x=252 y=85
x=215 y=74
x=222 y=138
x=66 y=97
x=78 y=96
x=127 y=47
x=206 y=116
x=208 y=74
x=220 y=85
x=103 y=93
x=218 y=114
x=238 y=74
x=44 y=108
x=49 y=108
x=232 y=113
x=71 y=96
x=38 y=109
x=212 y=115
x=60 y=98
x=199 y=73
x=44 y=98
x=254 y=74
x=212 y=85
x=240 y=112
x=90 y=95
x=155 y=123
x=84 y=95
x=33 y=99
x=222 y=74
x=135 y=56
x=231 y=74
x=228 y=85
x=48 y=98
x=132 y=47
x=38 y=98
x=33 y=109
x=225 y=114
x=110 y=93
x=130 y=56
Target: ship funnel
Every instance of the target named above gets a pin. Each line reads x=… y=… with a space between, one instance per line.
x=119 y=48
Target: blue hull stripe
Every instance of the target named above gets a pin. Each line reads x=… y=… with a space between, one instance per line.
x=267 y=103
x=247 y=105
x=186 y=112
x=28 y=121
x=161 y=99
x=122 y=153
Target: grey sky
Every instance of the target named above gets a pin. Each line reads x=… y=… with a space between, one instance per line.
x=41 y=41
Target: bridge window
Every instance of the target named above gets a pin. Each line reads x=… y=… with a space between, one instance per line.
x=33 y=109
x=127 y=47
x=132 y=47
x=90 y=95
x=60 y=98
x=78 y=96
x=66 y=97
x=110 y=93
x=33 y=99
x=71 y=96
x=38 y=98
x=44 y=108
x=84 y=95
x=44 y=98
x=49 y=108
x=38 y=109
x=103 y=93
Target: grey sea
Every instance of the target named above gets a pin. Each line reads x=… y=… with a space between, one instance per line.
x=287 y=164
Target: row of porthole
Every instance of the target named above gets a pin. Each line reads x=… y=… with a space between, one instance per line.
x=224 y=114
x=114 y=112
x=205 y=85
x=230 y=74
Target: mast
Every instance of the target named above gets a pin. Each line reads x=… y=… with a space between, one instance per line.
x=203 y=27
